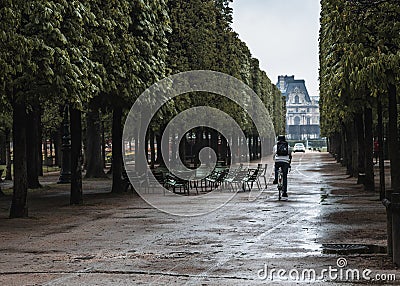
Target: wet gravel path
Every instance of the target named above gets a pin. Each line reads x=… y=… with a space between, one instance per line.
x=121 y=240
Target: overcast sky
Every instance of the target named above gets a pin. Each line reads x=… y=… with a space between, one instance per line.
x=283 y=35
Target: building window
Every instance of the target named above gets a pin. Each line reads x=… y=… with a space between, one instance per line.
x=308 y=121
x=297 y=120
x=296 y=99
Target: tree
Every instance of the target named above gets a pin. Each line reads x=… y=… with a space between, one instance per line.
x=129 y=41
x=225 y=52
x=14 y=52
x=5 y=128
x=45 y=58
x=359 y=62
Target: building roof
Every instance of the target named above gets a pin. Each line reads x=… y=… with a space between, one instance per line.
x=287 y=85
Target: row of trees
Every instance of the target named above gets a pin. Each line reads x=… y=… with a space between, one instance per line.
x=97 y=57
x=359 y=80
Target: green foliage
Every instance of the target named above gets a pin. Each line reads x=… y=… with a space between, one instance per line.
x=359 y=57
x=129 y=40
x=45 y=53
x=202 y=39
x=51 y=117
x=53 y=52
x=74 y=50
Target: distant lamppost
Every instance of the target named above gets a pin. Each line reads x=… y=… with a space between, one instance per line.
x=65 y=175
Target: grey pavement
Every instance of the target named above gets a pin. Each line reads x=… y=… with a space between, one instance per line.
x=121 y=240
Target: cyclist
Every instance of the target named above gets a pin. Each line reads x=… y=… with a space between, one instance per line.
x=283 y=158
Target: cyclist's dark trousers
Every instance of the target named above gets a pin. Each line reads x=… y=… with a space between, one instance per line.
x=285 y=169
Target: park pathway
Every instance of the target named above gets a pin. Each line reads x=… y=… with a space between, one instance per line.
x=121 y=240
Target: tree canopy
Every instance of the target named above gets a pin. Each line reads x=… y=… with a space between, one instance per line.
x=359 y=71
x=97 y=54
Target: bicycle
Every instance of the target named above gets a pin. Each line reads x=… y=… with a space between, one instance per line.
x=280 y=182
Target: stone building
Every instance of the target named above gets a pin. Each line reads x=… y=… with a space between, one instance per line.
x=302 y=111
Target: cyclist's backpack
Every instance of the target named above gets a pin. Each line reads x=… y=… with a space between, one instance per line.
x=282 y=148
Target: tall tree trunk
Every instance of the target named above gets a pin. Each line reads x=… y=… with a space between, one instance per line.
x=198 y=144
x=94 y=158
x=369 y=183
x=214 y=142
x=32 y=137
x=329 y=145
x=152 y=149
x=229 y=150
x=354 y=149
x=3 y=148
x=166 y=156
x=224 y=149
x=235 y=147
x=76 y=157
x=8 y=154
x=338 y=147
x=117 y=150
x=182 y=149
x=140 y=153
x=146 y=146
x=350 y=145
x=39 y=142
x=255 y=146
x=248 y=140
x=393 y=143
x=174 y=147
x=242 y=148
x=334 y=146
x=344 y=147
x=136 y=145
x=359 y=128
x=158 y=142
x=349 y=152
x=19 y=206
x=381 y=155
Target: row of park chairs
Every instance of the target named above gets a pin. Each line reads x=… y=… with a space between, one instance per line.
x=239 y=178
x=147 y=182
x=236 y=179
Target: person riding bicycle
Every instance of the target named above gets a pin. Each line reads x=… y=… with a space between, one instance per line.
x=283 y=158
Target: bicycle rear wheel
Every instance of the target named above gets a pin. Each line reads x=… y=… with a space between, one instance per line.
x=280 y=183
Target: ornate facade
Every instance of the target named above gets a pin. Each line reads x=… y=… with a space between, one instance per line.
x=302 y=111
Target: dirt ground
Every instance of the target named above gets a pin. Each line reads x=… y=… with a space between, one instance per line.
x=122 y=240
